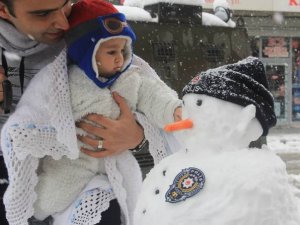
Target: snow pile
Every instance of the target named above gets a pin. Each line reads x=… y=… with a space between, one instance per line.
x=136 y=14
x=287 y=146
x=211 y=20
x=222 y=3
x=224 y=12
x=134 y=11
x=134 y=3
x=142 y=3
x=284 y=143
x=242 y=187
x=295 y=181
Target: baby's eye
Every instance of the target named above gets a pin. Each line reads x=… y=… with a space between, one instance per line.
x=111 y=52
x=199 y=102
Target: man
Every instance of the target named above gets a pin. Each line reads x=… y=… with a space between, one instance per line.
x=31 y=33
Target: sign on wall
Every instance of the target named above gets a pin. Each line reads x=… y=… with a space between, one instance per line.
x=286 y=5
x=259 y=5
x=275 y=47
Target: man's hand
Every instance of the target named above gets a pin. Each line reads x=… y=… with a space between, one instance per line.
x=118 y=135
x=178 y=114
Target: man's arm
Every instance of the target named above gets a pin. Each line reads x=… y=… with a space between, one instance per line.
x=118 y=135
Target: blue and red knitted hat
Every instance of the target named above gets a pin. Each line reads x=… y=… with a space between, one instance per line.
x=93 y=22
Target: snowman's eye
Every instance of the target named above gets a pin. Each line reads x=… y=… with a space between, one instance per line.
x=182 y=102
x=199 y=102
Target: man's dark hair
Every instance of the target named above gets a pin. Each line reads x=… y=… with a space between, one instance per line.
x=9 y=5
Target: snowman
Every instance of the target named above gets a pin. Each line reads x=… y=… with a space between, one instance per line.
x=216 y=179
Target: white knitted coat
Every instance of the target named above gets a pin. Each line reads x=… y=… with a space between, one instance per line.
x=42 y=125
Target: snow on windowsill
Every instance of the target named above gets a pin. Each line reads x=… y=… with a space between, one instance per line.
x=139 y=14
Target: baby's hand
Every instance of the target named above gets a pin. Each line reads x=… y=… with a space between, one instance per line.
x=178 y=114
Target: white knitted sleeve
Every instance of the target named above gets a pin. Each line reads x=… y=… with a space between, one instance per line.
x=157 y=101
x=152 y=133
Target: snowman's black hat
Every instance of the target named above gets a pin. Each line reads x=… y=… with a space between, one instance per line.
x=242 y=83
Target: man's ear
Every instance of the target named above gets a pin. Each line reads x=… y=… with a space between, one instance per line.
x=4 y=13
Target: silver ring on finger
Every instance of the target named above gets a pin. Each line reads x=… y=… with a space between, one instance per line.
x=100 y=145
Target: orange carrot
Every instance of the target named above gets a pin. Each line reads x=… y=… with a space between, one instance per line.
x=180 y=125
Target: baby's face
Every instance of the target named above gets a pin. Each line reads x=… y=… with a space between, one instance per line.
x=110 y=56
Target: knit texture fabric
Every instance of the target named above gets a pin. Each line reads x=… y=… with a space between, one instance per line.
x=18 y=44
x=85 y=10
x=94 y=198
x=43 y=125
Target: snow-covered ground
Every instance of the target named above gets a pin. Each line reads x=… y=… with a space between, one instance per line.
x=286 y=144
x=284 y=141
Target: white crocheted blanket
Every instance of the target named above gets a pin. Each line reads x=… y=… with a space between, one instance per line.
x=43 y=125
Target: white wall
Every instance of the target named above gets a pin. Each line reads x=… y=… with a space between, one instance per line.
x=261 y=5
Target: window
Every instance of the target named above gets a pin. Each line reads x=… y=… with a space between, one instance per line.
x=296 y=79
x=277 y=83
x=275 y=47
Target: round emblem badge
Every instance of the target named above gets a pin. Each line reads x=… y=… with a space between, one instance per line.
x=185 y=185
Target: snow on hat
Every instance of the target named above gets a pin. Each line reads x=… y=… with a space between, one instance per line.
x=91 y=23
x=242 y=83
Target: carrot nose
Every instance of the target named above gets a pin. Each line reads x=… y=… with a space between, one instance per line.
x=180 y=125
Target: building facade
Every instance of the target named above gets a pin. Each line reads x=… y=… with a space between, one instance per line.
x=274 y=29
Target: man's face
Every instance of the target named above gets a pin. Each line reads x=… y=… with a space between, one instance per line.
x=44 y=21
